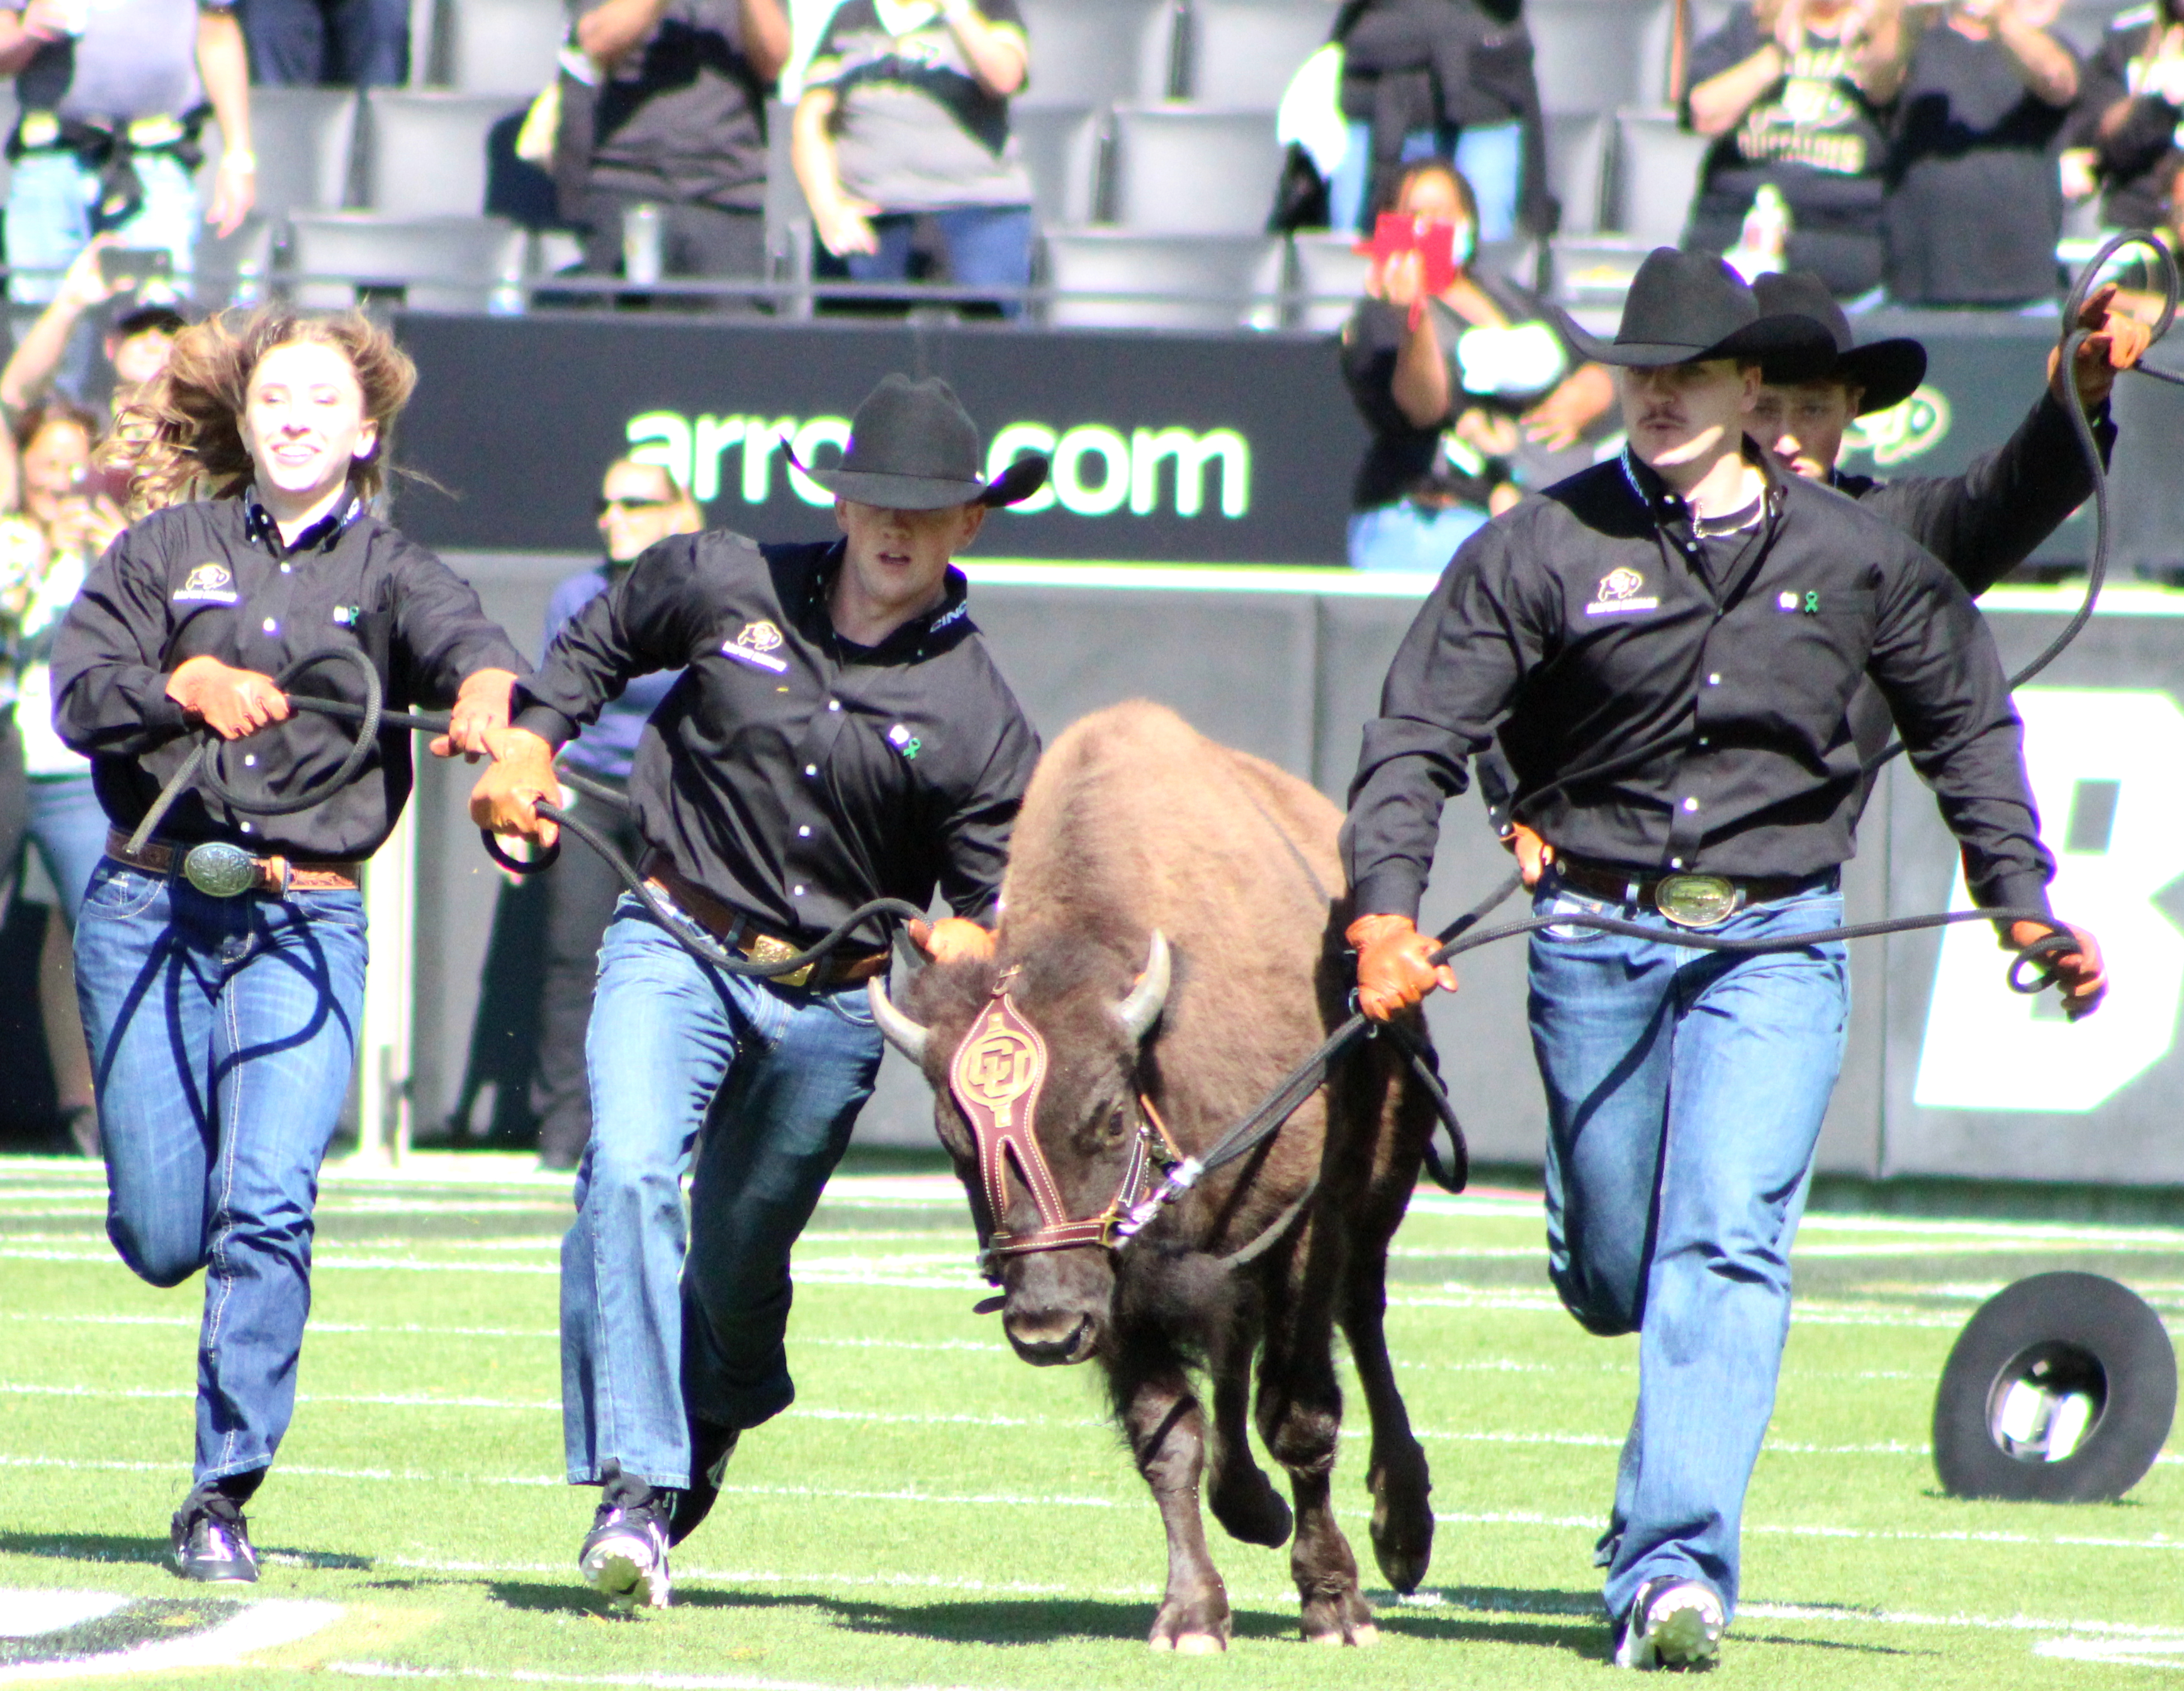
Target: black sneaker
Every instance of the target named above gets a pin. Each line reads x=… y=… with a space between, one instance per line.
x=212 y=1541
x=710 y=1447
x=625 y=1555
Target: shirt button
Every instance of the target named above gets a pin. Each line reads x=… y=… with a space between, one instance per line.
x=1714 y=680
x=286 y=570
x=250 y=760
x=1690 y=803
x=1703 y=741
x=245 y=827
x=811 y=769
x=1675 y=863
x=798 y=891
x=833 y=704
x=804 y=833
x=268 y=624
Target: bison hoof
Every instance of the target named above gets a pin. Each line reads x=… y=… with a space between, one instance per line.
x=1249 y=1510
x=1189 y=1628
x=1402 y=1528
x=1339 y=1618
x=1191 y=1643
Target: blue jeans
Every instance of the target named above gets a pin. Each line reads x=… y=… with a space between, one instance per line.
x=1407 y=535
x=1684 y=1093
x=652 y=1335
x=223 y=1034
x=50 y=197
x=989 y=245
x=68 y=830
x=1491 y=156
x=342 y=43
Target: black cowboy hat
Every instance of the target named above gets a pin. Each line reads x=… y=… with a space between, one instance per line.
x=1884 y=372
x=914 y=447
x=1684 y=307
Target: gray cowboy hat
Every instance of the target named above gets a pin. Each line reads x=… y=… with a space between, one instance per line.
x=1684 y=307
x=914 y=447
x=1885 y=372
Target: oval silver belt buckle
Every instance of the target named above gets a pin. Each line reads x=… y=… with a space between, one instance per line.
x=219 y=871
x=1696 y=900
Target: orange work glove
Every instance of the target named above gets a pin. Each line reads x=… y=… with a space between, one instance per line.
x=1394 y=970
x=951 y=939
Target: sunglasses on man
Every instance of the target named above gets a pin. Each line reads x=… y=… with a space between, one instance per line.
x=624 y=504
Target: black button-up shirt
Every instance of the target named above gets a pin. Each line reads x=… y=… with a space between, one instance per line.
x=790 y=773
x=1657 y=723
x=213 y=579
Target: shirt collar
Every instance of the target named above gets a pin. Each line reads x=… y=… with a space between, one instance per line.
x=1664 y=504
x=258 y=525
x=954 y=607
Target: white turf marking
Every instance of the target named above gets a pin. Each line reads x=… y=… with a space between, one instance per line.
x=2121 y=1652
x=263 y=1626
x=662 y=1681
x=26 y=1614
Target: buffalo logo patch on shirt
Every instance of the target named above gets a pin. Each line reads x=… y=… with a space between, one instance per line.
x=755 y=645
x=210 y=583
x=1619 y=591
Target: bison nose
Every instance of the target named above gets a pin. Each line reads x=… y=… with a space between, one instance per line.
x=1048 y=1338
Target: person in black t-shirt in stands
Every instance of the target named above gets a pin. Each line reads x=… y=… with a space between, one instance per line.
x=1794 y=94
x=1974 y=196
x=2132 y=110
x=674 y=117
x=1471 y=399
x=905 y=114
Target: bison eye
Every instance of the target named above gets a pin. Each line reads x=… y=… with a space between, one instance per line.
x=1119 y=1124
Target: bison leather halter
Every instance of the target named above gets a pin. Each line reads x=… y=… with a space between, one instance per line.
x=996 y=1075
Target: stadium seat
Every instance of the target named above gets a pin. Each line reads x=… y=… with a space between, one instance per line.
x=1577 y=168
x=1598 y=55
x=1113 y=279
x=1329 y=277
x=1657 y=170
x=1190 y=170
x=1243 y=52
x=1061 y=148
x=441 y=264
x=1095 y=52
x=504 y=47
x=233 y=270
x=305 y=140
x=425 y=153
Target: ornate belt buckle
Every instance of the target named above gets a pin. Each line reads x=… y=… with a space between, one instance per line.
x=1696 y=900
x=764 y=947
x=220 y=871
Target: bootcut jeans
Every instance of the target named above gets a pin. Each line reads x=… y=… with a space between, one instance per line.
x=1684 y=1093
x=654 y=1333
x=223 y=1034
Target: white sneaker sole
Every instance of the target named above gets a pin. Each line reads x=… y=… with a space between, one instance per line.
x=1686 y=1640
x=622 y=1570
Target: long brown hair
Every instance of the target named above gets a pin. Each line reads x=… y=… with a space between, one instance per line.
x=185 y=427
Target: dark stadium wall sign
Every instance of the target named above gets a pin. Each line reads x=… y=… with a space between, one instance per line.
x=73 y=1634
x=1168 y=447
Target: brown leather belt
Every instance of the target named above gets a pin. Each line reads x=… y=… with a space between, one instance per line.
x=236 y=872
x=1636 y=887
x=738 y=931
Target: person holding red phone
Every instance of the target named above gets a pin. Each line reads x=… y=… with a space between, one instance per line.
x=1470 y=387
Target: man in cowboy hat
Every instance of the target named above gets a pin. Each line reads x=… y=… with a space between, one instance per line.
x=1981 y=524
x=839 y=734
x=1670 y=643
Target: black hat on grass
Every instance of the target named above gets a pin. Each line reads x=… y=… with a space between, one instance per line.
x=914 y=447
x=1684 y=307
x=1885 y=372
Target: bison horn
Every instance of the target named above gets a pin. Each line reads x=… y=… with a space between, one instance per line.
x=1142 y=1008
x=907 y=1037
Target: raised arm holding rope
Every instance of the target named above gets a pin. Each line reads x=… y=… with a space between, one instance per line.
x=1676 y=639
x=838 y=745
x=219 y=959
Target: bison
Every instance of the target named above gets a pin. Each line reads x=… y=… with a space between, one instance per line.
x=1170 y=947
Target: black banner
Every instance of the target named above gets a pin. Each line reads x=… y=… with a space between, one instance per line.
x=1194 y=448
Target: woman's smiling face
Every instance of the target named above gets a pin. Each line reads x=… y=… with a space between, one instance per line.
x=304 y=422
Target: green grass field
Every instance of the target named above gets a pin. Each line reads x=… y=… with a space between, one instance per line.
x=934 y=1513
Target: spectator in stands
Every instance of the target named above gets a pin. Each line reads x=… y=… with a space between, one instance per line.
x=674 y=119
x=66 y=522
x=1446 y=79
x=639 y=504
x=1471 y=399
x=136 y=342
x=2133 y=270
x=2132 y=110
x=113 y=96
x=1794 y=94
x=1974 y=195
x=905 y=114
x=332 y=43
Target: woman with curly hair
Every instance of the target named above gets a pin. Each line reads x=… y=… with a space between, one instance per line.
x=221 y=964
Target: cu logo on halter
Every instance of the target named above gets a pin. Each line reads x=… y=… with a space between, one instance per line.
x=998 y=1067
